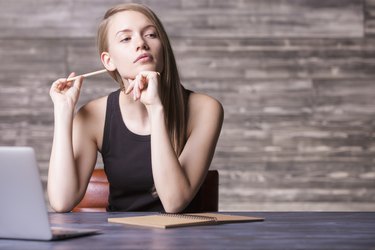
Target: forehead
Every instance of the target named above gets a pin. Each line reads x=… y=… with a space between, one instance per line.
x=129 y=19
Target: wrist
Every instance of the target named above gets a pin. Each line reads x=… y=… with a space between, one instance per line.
x=156 y=114
x=63 y=112
x=155 y=109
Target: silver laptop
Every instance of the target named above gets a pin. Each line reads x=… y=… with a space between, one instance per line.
x=23 y=212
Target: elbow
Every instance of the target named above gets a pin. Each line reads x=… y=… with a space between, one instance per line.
x=61 y=202
x=60 y=205
x=60 y=208
x=174 y=205
x=173 y=209
x=176 y=201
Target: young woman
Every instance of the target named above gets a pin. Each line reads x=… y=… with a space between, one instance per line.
x=156 y=138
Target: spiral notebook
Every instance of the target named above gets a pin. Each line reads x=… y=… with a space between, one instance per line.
x=165 y=220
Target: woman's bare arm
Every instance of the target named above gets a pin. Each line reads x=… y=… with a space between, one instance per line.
x=73 y=154
x=177 y=180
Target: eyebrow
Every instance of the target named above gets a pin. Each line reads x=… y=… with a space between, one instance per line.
x=129 y=30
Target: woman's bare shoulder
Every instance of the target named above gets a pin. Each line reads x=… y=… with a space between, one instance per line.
x=204 y=108
x=199 y=102
x=90 y=119
x=94 y=108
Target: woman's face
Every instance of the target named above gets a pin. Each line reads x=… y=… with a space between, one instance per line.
x=133 y=45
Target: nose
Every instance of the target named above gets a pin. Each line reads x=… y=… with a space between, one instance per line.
x=141 y=44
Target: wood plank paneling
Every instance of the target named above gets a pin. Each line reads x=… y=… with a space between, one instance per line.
x=369 y=11
x=276 y=58
x=270 y=18
x=295 y=77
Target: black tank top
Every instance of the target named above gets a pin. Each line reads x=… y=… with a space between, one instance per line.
x=127 y=163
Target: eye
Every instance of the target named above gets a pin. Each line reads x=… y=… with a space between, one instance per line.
x=125 y=39
x=151 y=35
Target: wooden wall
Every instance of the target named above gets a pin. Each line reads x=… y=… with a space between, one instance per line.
x=296 y=79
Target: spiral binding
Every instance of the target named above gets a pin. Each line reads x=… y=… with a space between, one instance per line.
x=190 y=216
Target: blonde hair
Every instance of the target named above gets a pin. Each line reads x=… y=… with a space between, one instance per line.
x=172 y=94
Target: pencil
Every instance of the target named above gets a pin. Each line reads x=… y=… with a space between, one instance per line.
x=87 y=74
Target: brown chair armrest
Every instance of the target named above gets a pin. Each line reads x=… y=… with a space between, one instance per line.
x=96 y=197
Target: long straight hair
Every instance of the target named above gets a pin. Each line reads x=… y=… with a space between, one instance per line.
x=172 y=94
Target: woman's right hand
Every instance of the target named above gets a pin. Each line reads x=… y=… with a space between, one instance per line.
x=66 y=93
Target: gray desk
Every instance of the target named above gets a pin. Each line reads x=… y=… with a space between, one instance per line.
x=294 y=230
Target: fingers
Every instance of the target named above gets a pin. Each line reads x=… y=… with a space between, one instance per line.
x=137 y=90
x=59 y=85
x=149 y=74
x=130 y=87
x=78 y=82
x=63 y=91
x=136 y=85
x=62 y=83
x=140 y=83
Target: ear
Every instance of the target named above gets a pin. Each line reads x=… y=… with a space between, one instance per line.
x=107 y=61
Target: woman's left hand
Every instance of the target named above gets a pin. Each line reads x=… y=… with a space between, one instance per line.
x=145 y=87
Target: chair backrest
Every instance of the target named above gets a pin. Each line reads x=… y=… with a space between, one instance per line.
x=96 y=197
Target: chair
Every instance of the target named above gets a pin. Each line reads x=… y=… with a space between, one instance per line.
x=96 y=197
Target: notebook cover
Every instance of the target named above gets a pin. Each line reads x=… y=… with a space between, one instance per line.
x=182 y=220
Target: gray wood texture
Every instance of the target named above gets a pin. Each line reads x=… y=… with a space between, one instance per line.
x=295 y=77
x=280 y=230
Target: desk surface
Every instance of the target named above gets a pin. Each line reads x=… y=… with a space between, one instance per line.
x=280 y=230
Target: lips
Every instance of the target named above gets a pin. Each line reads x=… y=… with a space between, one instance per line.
x=145 y=56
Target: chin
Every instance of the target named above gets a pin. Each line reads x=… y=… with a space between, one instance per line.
x=147 y=68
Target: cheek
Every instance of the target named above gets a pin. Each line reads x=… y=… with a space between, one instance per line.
x=121 y=57
x=123 y=61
